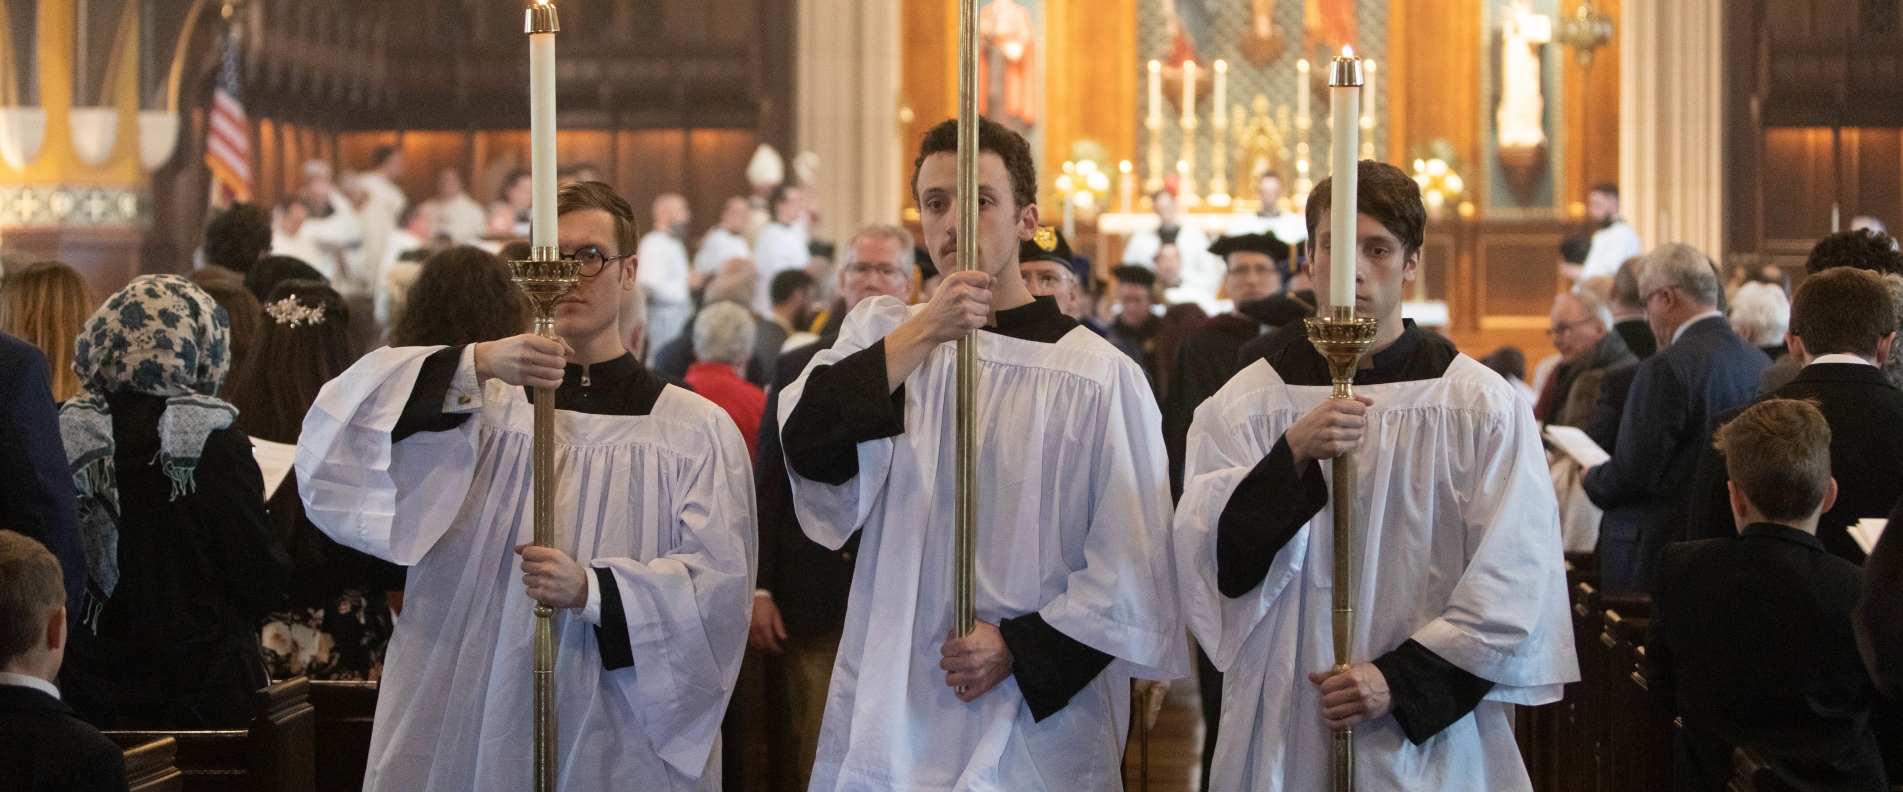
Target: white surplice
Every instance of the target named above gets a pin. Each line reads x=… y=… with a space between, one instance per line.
x=1073 y=514
x=1459 y=551
x=664 y=501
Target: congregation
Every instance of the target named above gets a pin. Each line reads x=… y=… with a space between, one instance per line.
x=156 y=571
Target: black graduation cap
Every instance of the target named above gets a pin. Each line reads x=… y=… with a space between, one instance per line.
x=1049 y=244
x=1135 y=274
x=1266 y=244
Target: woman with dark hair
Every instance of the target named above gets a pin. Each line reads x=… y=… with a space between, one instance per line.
x=463 y=296
x=182 y=561
x=338 y=620
x=273 y=270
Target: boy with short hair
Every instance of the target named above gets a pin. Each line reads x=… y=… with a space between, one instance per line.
x=43 y=743
x=1751 y=641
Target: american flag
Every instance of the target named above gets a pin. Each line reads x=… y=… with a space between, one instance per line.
x=228 y=147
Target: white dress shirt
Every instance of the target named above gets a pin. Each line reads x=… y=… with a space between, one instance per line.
x=27 y=681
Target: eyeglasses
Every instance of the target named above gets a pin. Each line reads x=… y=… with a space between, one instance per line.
x=1559 y=329
x=589 y=261
x=1049 y=279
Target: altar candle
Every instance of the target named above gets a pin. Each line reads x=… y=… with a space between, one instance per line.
x=1126 y=186
x=1301 y=92
x=1344 y=95
x=1189 y=93
x=1222 y=84
x=1368 y=105
x=1156 y=91
x=542 y=229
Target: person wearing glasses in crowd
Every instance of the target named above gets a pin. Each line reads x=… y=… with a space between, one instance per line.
x=420 y=456
x=1581 y=331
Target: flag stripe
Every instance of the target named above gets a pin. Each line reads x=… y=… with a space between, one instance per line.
x=228 y=147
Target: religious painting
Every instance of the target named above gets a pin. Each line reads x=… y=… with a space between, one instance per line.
x=1261 y=41
x=1521 y=81
x=1011 y=65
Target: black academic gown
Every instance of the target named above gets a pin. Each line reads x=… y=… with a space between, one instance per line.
x=45 y=747
x=1274 y=501
x=176 y=645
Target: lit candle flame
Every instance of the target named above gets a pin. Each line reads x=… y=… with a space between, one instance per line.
x=1348 y=51
x=1301 y=65
x=1156 y=66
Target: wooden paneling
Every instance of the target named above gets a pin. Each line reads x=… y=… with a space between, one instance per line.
x=1092 y=87
x=1802 y=180
x=1432 y=83
x=1592 y=115
x=928 y=82
x=1516 y=276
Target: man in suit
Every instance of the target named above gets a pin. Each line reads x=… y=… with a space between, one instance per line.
x=799 y=609
x=1582 y=332
x=1700 y=370
x=1842 y=329
x=38 y=499
x=1751 y=641
x=44 y=746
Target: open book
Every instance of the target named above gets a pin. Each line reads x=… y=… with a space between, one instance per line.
x=274 y=461
x=1867 y=531
x=1576 y=444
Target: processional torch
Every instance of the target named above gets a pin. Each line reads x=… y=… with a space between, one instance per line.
x=965 y=513
x=1342 y=338
x=544 y=277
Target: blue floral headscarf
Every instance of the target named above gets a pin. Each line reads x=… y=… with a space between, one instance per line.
x=160 y=335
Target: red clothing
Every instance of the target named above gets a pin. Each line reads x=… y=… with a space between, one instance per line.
x=743 y=400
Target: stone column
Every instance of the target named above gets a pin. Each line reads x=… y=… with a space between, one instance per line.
x=1671 y=122
x=847 y=110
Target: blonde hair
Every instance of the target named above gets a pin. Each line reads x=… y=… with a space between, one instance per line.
x=45 y=305
x=1778 y=452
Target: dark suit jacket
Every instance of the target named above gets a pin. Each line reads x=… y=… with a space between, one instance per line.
x=810 y=584
x=1675 y=395
x=1614 y=388
x=1865 y=414
x=1751 y=644
x=1638 y=337
x=44 y=747
x=38 y=499
x=1880 y=611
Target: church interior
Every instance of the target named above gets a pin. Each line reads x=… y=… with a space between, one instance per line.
x=1553 y=142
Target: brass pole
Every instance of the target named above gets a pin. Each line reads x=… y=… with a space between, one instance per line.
x=965 y=600
x=1342 y=339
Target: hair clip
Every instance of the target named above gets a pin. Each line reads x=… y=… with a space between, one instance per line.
x=289 y=313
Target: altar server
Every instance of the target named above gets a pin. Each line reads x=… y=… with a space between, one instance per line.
x=1076 y=590
x=1460 y=583
x=422 y=456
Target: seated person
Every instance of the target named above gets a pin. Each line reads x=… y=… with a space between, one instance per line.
x=1751 y=642
x=43 y=744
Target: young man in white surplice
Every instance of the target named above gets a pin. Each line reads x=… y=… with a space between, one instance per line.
x=422 y=456
x=1076 y=591
x=1460 y=584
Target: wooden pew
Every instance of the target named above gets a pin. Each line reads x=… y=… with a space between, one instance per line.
x=1547 y=734
x=1639 y=734
x=344 y=714
x=151 y=765
x=1582 y=768
x=273 y=753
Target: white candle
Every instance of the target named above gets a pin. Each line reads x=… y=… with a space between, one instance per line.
x=1222 y=84
x=1156 y=91
x=1344 y=95
x=542 y=229
x=1126 y=186
x=1368 y=106
x=1302 y=89
x=1189 y=92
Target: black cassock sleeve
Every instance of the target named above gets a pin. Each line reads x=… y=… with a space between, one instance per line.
x=423 y=411
x=1430 y=694
x=1051 y=667
x=611 y=635
x=1268 y=507
x=843 y=405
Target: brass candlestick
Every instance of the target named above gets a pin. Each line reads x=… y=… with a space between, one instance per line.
x=544 y=277
x=1342 y=339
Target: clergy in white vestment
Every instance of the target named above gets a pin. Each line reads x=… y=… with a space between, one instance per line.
x=454 y=212
x=1460 y=586
x=665 y=274
x=422 y=456
x=1613 y=240
x=1076 y=590
x=380 y=213
x=1200 y=276
x=781 y=244
x=727 y=241
x=1289 y=227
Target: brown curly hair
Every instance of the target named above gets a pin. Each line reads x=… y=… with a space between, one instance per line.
x=993 y=137
x=462 y=296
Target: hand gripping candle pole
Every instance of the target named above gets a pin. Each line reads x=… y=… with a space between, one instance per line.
x=965 y=576
x=544 y=277
x=1342 y=338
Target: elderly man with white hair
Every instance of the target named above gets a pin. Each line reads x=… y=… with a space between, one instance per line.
x=1701 y=369
x=1581 y=331
x=1760 y=313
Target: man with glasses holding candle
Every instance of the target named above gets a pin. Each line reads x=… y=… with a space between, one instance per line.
x=1460 y=579
x=421 y=456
